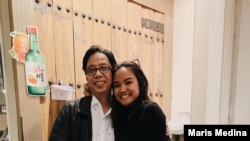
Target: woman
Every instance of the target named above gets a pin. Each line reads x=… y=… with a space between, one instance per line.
x=135 y=116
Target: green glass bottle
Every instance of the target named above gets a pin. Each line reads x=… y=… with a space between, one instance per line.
x=35 y=66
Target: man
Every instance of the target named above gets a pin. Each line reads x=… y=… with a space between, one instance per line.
x=88 y=118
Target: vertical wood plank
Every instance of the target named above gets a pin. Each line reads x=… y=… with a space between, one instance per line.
x=158 y=60
x=102 y=29
x=23 y=15
x=134 y=37
x=44 y=20
x=119 y=37
x=63 y=39
x=148 y=51
x=83 y=39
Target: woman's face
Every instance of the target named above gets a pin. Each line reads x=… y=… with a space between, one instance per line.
x=126 y=87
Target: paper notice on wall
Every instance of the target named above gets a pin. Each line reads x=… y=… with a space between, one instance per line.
x=61 y=92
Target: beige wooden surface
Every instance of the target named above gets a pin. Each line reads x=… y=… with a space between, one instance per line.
x=102 y=16
x=64 y=48
x=163 y=6
x=133 y=29
x=44 y=20
x=83 y=39
x=148 y=52
x=30 y=114
x=158 y=59
x=119 y=37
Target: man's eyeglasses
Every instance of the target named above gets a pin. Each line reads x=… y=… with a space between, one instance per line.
x=102 y=69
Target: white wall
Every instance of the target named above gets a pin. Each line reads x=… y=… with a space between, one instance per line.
x=240 y=96
x=200 y=60
x=211 y=53
x=182 y=56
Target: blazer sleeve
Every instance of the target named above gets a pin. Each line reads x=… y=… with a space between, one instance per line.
x=60 y=130
x=154 y=123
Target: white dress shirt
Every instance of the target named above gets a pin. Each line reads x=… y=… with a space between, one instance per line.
x=101 y=124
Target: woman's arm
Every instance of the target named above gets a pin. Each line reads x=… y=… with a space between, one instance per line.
x=154 y=123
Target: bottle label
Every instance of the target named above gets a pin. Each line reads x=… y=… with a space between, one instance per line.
x=35 y=74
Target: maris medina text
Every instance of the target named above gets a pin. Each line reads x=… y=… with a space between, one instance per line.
x=217 y=132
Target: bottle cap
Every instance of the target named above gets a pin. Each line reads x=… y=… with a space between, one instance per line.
x=32 y=29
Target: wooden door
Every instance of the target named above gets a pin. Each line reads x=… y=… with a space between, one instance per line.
x=148 y=51
x=133 y=29
x=63 y=43
x=83 y=39
x=119 y=37
x=102 y=23
x=158 y=60
x=44 y=20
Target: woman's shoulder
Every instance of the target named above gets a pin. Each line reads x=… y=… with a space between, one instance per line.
x=151 y=106
x=152 y=109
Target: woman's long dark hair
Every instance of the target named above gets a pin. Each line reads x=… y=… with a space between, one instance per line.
x=120 y=113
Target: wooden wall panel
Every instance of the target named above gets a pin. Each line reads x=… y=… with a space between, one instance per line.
x=163 y=6
x=63 y=38
x=119 y=37
x=83 y=39
x=158 y=60
x=44 y=20
x=134 y=30
x=102 y=21
x=148 y=51
x=30 y=114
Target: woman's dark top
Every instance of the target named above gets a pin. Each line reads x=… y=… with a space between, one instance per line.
x=147 y=124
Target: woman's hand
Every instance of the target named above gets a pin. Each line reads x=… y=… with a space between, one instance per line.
x=86 y=90
x=168 y=131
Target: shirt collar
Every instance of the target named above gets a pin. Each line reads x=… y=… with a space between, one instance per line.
x=94 y=102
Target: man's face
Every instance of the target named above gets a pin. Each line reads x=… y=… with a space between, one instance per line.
x=99 y=81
